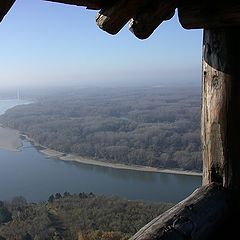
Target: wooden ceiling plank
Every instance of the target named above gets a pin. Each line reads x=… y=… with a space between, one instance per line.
x=5 y=6
x=113 y=18
x=146 y=21
x=209 y=14
x=89 y=4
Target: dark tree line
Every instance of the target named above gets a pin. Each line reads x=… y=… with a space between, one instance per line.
x=82 y=216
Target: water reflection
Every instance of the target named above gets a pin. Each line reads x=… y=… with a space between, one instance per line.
x=118 y=173
x=35 y=176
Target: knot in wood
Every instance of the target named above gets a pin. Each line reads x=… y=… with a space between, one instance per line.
x=215 y=81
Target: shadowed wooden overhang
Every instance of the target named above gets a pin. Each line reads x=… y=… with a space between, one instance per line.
x=209 y=212
x=144 y=16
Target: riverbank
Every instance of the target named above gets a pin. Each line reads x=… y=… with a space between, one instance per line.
x=9 y=139
x=85 y=160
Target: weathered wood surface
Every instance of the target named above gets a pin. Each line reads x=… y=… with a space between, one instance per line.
x=197 y=217
x=149 y=18
x=221 y=107
x=209 y=13
x=90 y=4
x=5 y=6
x=113 y=18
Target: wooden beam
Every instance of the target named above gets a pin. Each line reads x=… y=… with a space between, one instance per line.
x=149 y=18
x=113 y=18
x=221 y=107
x=5 y=6
x=90 y=4
x=209 y=13
x=197 y=217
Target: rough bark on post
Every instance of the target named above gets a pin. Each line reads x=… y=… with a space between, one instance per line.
x=221 y=107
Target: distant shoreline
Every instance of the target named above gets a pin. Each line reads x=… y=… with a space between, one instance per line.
x=85 y=160
x=10 y=138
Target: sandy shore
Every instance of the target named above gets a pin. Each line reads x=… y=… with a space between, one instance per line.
x=74 y=158
x=9 y=139
x=79 y=159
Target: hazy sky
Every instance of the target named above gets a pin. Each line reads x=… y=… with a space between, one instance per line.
x=47 y=43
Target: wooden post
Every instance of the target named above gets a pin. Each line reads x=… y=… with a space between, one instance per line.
x=221 y=107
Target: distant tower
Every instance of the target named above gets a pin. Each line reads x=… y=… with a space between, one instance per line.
x=18 y=94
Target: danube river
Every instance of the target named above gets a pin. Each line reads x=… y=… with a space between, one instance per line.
x=35 y=176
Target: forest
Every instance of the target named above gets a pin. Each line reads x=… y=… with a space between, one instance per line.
x=150 y=126
x=83 y=216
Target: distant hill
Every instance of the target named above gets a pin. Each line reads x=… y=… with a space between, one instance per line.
x=154 y=126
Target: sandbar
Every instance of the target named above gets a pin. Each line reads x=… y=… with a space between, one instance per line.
x=9 y=139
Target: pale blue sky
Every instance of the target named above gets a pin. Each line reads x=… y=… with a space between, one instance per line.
x=48 y=43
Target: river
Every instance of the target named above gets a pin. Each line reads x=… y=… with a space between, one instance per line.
x=35 y=176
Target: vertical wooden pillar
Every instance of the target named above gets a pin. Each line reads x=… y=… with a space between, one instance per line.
x=221 y=107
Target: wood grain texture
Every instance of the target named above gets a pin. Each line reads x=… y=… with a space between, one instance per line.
x=149 y=18
x=197 y=217
x=5 y=6
x=89 y=4
x=209 y=13
x=221 y=107
x=113 y=18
